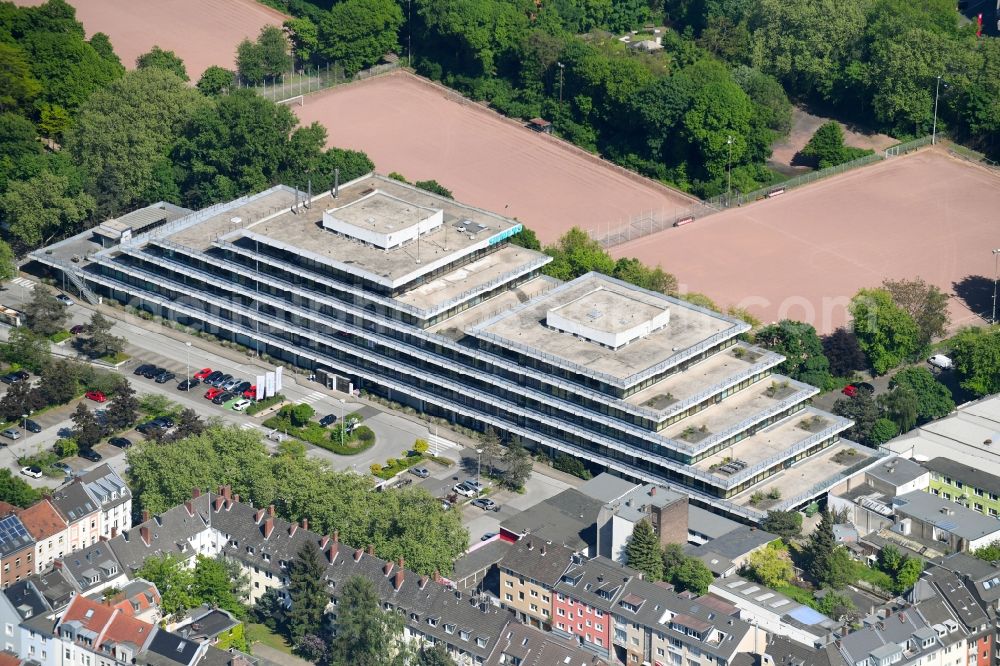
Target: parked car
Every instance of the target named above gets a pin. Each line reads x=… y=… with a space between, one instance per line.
x=446 y=505
x=223 y=398
x=143 y=369
x=328 y=420
x=9 y=378
x=60 y=465
x=213 y=377
x=96 y=396
x=251 y=392
x=22 y=375
x=475 y=485
x=187 y=384
x=421 y=472
x=487 y=536
x=151 y=371
x=120 y=442
x=486 y=504
x=165 y=377
x=464 y=490
x=241 y=387
x=148 y=427
x=241 y=404
x=941 y=361
x=79 y=329
x=91 y=455
x=865 y=386
x=231 y=385
x=32 y=426
x=212 y=392
x=203 y=373
x=32 y=471
x=11 y=433
x=850 y=390
x=164 y=422
x=221 y=381
x=15 y=377
x=63 y=298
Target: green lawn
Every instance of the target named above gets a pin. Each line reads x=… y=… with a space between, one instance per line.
x=262 y=634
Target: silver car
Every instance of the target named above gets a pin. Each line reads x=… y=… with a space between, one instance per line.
x=12 y=433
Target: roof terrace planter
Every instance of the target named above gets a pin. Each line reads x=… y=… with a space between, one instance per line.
x=848 y=457
x=695 y=434
x=780 y=390
x=660 y=402
x=744 y=354
x=814 y=423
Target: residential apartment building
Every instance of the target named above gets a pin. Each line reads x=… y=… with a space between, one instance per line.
x=584 y=597
x=529 y=572
x=113 y=498
x=416 y=297
x=969 y=486
x=931 y=518
x=92 y=633
x=17 y=550
x=49 y=529
x=82 y=514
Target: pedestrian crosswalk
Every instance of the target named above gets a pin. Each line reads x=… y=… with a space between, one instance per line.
x=313 y=398
x=248 y=426
x=23 y=282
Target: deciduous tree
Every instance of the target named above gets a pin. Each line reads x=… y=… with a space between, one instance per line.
x=863 y=411
x=771 y=566
x=802 y=349
x=123 y=410
x=86 y=430
x=886 y=333
x=976 y=352
x=216 y=80
x=842 y=350
x=900 y=405
x=925 y=303
x=173 y=580
x=16 y=491
x=167 y=60
x=518 y=465
x=934 y=399
x=786 y=524
x=42 y=207
x=28 y=349
x=357 y=33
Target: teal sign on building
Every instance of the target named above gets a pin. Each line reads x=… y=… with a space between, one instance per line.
x=504 y=235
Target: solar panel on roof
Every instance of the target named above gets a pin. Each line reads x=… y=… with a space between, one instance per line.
x=12 y=530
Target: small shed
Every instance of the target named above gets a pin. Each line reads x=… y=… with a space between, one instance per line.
x=540 y=125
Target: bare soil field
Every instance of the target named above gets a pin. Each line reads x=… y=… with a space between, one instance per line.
x=802 y=255
x=201 y=32
x=804 y=125
x=411 y=126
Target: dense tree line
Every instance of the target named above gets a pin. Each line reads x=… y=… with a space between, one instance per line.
x=81 y=139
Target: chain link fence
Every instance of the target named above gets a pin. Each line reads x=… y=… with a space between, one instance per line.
x=311 y=80
x=646 y=224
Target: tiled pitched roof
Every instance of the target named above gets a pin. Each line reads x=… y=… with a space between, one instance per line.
x=90 y=614
x=127 y=630
x=92 y=566
x=169 y=532
x=105 y=486
x=42 y=520
x=9 y=659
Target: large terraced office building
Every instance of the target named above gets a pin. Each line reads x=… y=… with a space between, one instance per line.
x=425 y=300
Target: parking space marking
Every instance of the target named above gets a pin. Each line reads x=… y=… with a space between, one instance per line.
x=24 y=282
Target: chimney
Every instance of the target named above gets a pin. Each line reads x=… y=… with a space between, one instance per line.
x=220 y=489
x=322 y=542
x=218 y=502
x=401 y=562
x=103 y=538
x=652 y=491
x=145 y=515
x=336 y=536
x=270 y=511
x=305 y=523
x=195 y=493
x=258 y=515
x=57 y=564
x=236 y=499
x=190 y=507
x=437 y=576
x=371 y=549
x=422 y=583
x=144 y=533
x=268 y=527
x=387 y=569
x=357 y=555
x=331 y=554
x=398 y=580
x=292 y=528
x=227 y=491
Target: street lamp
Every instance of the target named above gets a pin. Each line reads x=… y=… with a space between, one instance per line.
x=479 y=470
x=24 y=421
x=343 y=423
x=187 y=364
x=729 y=172
x=561 y=68
x=937 y=94
x=996 y=258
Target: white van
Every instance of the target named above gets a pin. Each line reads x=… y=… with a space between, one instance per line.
x=941 y=361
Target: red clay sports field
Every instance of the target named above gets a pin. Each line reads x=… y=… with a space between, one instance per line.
x=422 y=131
x=201 y=32
x=804 y=254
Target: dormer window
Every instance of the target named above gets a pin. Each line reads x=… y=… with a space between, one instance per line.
x=449 y=628
x=250 y=550
x=266 y=556
x=464 y=635
x=481 y=642
x=432 y=621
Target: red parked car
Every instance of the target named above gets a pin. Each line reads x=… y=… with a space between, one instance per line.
x=850 y=390
x=96 y=396
x=212 y=392
x=250 y=393
x=204 y=372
